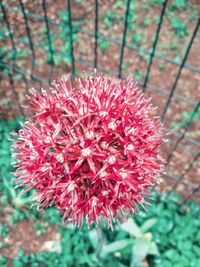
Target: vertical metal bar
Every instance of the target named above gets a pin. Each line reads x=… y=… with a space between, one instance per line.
x=124 y=38
x=186 y=170
x=14 y=49
x=186 y=128
x=96 y=34
x=179 y=71
x=71 y=37
x=50 y=47
x=154 y=45
x=10 y=34
x=28 y=31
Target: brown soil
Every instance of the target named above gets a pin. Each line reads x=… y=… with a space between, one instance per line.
x=23 y=235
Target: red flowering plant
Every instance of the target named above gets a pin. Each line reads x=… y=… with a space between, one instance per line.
x=91 y=148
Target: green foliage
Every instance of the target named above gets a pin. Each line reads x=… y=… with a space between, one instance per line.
x=3 y=261
x=179 y=27
x=156 y=19
x=162 y=67
x=64 y=53
x=193 y=15
x=7 y=52
x=40 y=227
x=146 y=21
x=8 y=55
x=104 y=45
x=138 y=75
x=79 y=2
x=143 y=245
x=113 y=17
x=3 y=229
x=179 y=4
x=184 y=119
x=136 y=38
x=110 y=17
x=64 y=32
x=175 y=231
x=6 y=183
x=143 y=55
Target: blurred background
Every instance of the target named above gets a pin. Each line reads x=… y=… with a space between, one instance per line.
x=155 y=42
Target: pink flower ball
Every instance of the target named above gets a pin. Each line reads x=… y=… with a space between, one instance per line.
x=91 y=148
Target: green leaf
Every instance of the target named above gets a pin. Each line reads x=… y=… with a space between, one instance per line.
x=179 y=4
x=115 y=263
x=162 y=67
x=196 y=250
x=136 y=38
x=178 y=264
x=115 y=247
x=67 y=59
x=138 y=75
x=153 y=249
x=179 y=27
x=172 y=254
x=2 y=261
x=17 y=263
x=146 y=21
x=104 y=45
x=93 y=236
x=131 y=227
x=186 y=245
x=63 y=14
x=139 y=251
x=156 y=19
x=164 y=226
x=148 y=225
x=193 y=15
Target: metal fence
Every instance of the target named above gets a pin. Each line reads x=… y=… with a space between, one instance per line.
x=19 y=77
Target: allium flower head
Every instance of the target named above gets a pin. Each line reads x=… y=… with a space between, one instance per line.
x=91 y=148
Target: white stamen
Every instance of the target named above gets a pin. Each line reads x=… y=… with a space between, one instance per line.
x=123 y=175
x=43 y=169
x=47 y=140
x=140 y=178
x=74 y=140
x=103 y=113
x=31 y=145
x=71 y=187
x=34 y=156
x=58 y=105
x=130 y=147
x=94 y=202
x=60 y=158
x=104 y=193
x=44 y=92
x=86 y=152
x=104 y=145
x=112 y=125
x=103 y=174
x=111 y=159
x=131 y=131
x=90 y=135
x=80 y=111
